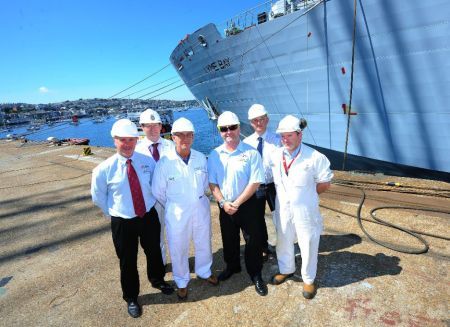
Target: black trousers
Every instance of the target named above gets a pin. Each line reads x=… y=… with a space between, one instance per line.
x=126 y=234
x=246 y=219
x=265 y=192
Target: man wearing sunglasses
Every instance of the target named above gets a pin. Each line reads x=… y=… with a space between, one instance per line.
x=265 y=142
x=235 y=172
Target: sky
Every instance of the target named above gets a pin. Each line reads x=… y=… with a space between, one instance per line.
x=57 y=50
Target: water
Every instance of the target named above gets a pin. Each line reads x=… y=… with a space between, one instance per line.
x=206 y=135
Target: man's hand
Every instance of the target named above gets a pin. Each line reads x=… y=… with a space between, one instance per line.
x=229 y=208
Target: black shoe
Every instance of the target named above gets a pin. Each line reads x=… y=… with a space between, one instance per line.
x=260 y=286
x=134 y=309
x=164 y=287
x=227 y=273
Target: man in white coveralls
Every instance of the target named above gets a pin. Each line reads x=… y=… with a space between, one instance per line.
x=179 y=183
x=300 y=174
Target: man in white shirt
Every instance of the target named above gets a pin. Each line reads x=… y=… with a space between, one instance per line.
x=155 y=147
x=265 y=142
x=300 y=174
x=235 y=171
x=121 y=187
x=179 y=183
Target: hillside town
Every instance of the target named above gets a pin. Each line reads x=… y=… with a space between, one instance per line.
x=22 y=113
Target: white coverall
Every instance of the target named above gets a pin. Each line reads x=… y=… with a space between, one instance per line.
x=181 y=188
x=297 y=209
x=164 y=147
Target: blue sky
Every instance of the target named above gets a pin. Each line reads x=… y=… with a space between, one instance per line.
x=57 y=50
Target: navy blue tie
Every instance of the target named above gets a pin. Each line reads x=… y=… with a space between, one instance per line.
x=260 y=145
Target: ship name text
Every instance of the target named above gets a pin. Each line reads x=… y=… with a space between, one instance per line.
x=218 y=65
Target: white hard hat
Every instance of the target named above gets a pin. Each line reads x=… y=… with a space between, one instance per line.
x=256 y=110
x=124 y=128
x=182 y=125
x=289 y=124
x=227 y=118
x=149 y=116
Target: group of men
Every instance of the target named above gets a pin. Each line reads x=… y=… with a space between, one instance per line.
x=157 y=185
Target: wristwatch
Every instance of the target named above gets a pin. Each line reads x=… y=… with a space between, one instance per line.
x=222 y=203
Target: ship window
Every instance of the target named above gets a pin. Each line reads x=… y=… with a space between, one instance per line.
x=180 y=67
x=188 y=52
x=202 y=41
x=262 y=17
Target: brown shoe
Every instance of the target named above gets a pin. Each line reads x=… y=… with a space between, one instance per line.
x=309 y=291
x=278 y=279
x=182 y=293
x=213 y=280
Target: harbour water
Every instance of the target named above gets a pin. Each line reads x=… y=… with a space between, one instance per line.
x=206 y=136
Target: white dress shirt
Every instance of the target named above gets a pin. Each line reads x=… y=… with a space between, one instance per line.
x=271 y=142
x=110 y=188
x=164 y=147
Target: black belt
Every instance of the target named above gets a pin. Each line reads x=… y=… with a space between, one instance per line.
x=265 y=186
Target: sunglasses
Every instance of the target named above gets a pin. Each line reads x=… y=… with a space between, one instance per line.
x=228 y=128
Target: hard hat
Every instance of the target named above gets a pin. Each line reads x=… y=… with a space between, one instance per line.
x=149 y=116
x=227 y=118
x=182 y=125
x=124 y=128
x=256 y=110
x=289 y=124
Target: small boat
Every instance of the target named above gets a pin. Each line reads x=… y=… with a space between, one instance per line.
x=33 y=127
x=98 y=120
x=77 y=141
x=74 y=120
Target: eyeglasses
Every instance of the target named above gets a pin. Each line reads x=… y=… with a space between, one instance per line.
x=223 y=129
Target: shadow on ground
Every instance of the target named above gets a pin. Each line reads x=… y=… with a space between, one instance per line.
x=335 y=269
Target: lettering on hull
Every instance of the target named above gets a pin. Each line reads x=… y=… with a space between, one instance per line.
x=218 y=65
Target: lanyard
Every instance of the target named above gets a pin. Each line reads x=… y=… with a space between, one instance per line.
x=286 y=167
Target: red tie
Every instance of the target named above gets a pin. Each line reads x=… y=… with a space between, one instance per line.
x=155 y=152
x=136 y=191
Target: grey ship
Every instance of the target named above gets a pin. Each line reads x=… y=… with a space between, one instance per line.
x=371 y=77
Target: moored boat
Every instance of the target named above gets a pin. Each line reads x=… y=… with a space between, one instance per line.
x=77 y=141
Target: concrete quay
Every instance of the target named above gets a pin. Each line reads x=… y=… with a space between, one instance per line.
x=58 y=266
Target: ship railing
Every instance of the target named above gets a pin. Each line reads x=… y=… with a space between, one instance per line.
x=262 y=13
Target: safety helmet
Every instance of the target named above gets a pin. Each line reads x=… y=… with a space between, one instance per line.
x=124 y=128
x=288 y=124
x=227 y=118
x=182 y=125
x=256 y=110
x=149 y=116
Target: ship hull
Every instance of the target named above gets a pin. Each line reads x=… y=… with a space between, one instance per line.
x=301 y=64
